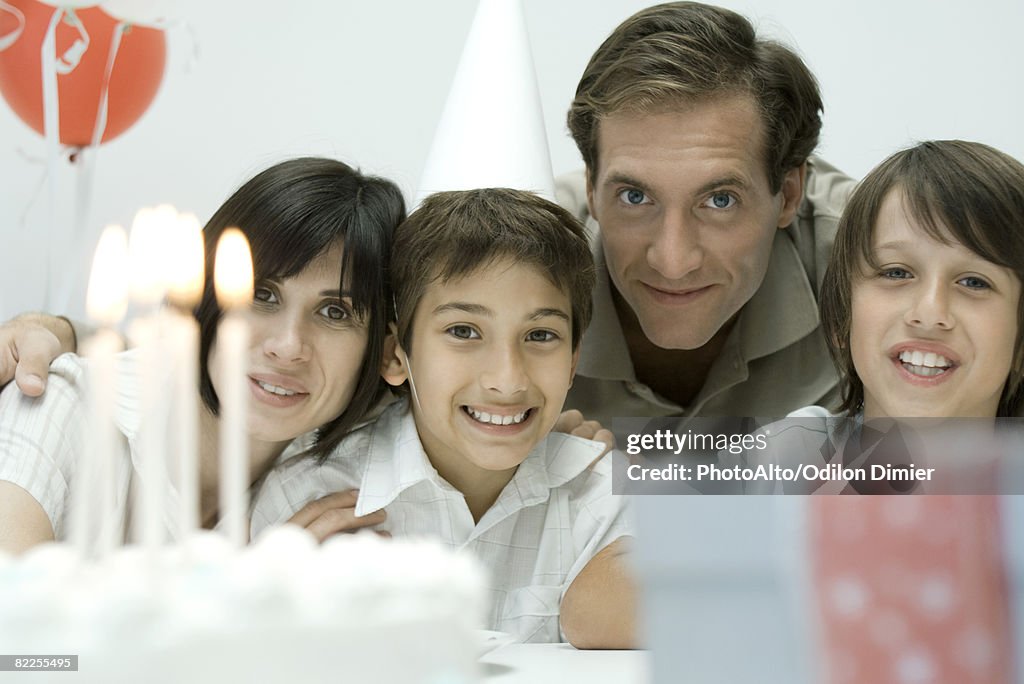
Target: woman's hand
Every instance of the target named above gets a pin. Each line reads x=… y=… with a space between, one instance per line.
x=336 y=513
x=28 y=344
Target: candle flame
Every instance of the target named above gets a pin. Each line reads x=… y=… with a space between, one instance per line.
x=186 y=262
x=107 y=294
x=146 y=254
x=232 y=270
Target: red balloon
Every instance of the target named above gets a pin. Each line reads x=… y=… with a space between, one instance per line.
x=134 y=81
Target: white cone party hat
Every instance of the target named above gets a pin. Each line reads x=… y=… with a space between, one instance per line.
x=491 y=132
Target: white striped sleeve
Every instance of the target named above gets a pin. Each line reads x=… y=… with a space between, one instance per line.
x=40 y=436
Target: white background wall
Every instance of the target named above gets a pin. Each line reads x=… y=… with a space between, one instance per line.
x=366 y=81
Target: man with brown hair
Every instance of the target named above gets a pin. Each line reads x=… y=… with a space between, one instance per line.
x=711 y=225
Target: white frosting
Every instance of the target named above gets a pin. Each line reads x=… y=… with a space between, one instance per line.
x=284 y=608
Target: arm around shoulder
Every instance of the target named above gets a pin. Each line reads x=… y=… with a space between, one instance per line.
x=599 y=608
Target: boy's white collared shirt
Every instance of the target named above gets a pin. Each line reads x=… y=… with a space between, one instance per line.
x=555 y=514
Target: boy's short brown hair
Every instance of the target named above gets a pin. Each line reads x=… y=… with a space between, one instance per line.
x=452 y=234
x=971 y=189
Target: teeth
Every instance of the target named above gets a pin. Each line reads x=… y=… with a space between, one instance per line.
x=484 y=417
x=925 y=360
x=924 y=364
x=274 y=389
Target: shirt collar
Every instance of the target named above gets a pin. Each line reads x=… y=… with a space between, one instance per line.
x=395 y=461
x=556 y=460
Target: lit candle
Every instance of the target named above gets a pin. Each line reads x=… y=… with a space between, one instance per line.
x=147 y=251
x=106 y=301
x=147 y=284
x=185 y=287
x=232 y=278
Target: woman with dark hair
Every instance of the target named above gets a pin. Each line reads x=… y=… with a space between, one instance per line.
x=320 y=234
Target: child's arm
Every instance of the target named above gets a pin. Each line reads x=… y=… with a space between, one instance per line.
x=23 y=523
x=599 y=607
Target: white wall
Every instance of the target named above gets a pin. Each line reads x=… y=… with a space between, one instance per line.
x=365 y=82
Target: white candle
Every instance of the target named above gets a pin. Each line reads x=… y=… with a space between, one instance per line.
x=232 y=276
x=106 y=301
x=185 y=286
x=147 y=249
x=147 y=281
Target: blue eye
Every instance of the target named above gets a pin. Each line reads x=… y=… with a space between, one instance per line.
x=720 y=200
x=974 y=283
x=462 y=332
x=633 y=197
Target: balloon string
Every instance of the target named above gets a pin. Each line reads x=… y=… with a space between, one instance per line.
x=73 y=55
x=51 y=133
x=101 y=114
x=37 y=190
x=52 y=65
x=169 y=26
x=84 y=236
x=193 y=41
x=7 y=41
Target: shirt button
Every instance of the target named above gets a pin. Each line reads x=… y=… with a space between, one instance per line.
x=632 y=387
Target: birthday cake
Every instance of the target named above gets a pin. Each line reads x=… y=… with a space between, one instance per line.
x=357 y=608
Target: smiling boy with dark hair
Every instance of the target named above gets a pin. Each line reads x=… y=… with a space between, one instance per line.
x=492 y=300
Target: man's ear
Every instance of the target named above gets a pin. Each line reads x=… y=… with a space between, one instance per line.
x=792 y=194
x=393 y=367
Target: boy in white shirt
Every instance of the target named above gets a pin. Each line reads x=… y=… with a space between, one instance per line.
x=492 y=295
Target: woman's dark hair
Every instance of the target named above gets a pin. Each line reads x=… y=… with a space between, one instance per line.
x=292 y=213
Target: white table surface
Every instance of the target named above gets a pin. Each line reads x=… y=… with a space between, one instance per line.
x=563 y=664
